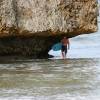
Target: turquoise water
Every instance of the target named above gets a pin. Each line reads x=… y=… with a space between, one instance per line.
x=71 y=79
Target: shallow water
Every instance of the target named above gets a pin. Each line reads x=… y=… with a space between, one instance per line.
x=70 y=79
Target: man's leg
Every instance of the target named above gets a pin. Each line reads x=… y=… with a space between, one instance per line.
x=65 y=52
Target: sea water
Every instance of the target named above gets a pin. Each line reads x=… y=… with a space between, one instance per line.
x=71 y=79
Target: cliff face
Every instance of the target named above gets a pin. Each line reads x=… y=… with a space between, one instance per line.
x=45 y=19
x=24 y=17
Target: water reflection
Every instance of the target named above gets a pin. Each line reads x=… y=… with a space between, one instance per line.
x=72 y=79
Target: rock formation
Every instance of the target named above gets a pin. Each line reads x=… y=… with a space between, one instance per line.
x=30 y=27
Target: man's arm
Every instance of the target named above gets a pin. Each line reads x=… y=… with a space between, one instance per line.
x=68 y=44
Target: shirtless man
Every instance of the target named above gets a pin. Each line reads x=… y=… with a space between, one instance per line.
x=65 y=46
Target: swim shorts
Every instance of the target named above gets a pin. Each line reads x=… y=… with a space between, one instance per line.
x=64 y=49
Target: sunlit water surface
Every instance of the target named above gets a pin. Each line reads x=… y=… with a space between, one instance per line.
x=70 y=79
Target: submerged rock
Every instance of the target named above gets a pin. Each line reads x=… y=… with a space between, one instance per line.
x=30 y=27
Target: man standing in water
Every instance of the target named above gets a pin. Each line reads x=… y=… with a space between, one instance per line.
x=65 y=46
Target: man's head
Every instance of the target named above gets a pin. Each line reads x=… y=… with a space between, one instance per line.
x=65 y=37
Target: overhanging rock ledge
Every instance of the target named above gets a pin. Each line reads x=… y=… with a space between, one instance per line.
x=31 y=27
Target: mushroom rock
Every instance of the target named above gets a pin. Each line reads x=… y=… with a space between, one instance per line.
x=31 y=27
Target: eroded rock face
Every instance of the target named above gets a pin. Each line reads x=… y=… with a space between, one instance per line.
x=45 y=19
x=24 y=17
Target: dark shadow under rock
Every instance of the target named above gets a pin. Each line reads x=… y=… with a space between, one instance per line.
x=32 y=46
